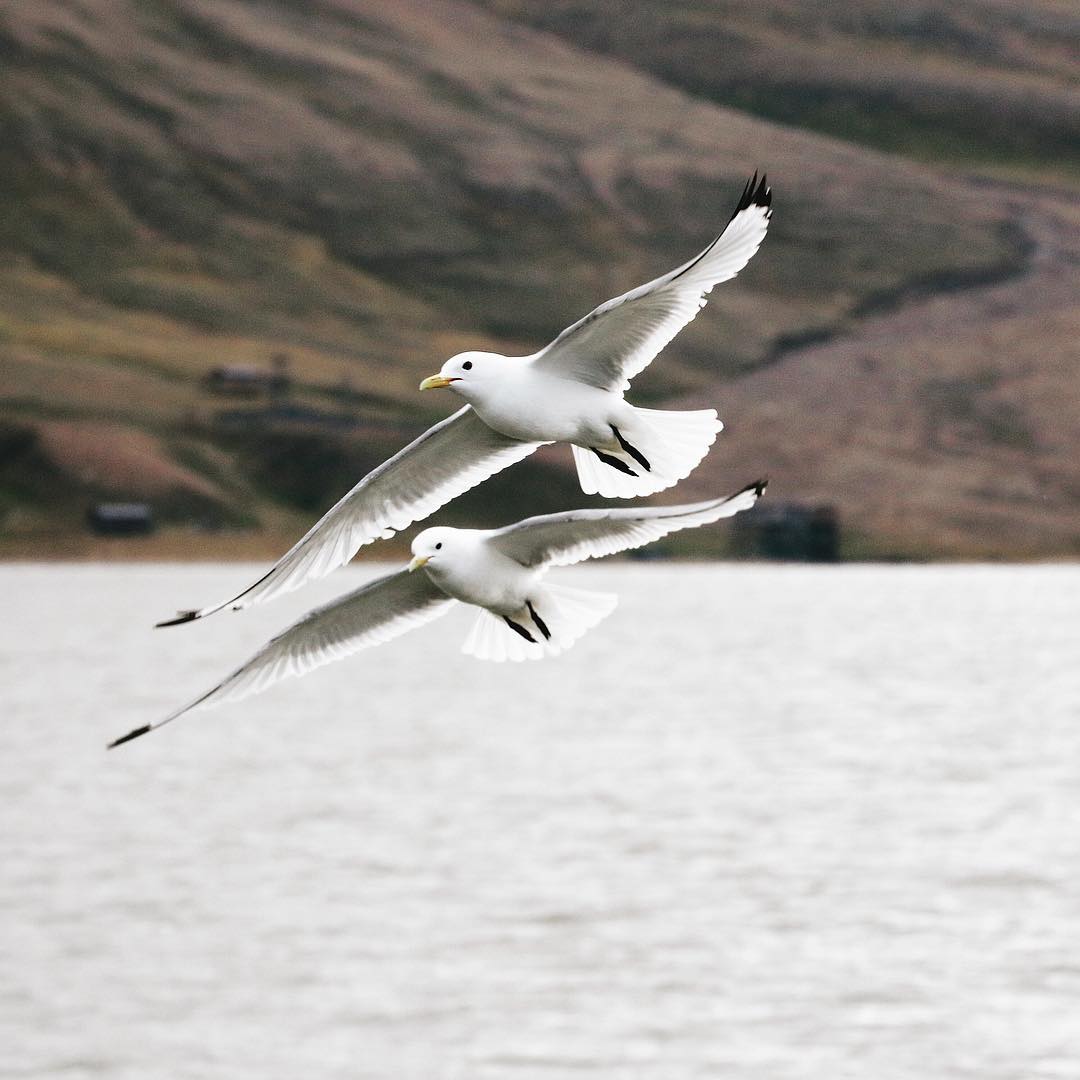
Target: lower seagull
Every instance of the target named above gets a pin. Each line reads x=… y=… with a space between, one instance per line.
x=499 y=571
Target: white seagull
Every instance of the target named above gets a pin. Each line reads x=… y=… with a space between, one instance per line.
x=499 y=571
x=570 y=391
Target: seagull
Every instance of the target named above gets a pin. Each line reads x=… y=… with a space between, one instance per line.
x=570 y=391
x=499 y=571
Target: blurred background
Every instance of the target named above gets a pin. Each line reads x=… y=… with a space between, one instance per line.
x=236 y=234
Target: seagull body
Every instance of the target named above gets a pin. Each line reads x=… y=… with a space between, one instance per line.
x=525 y=402
x=499 y=571
x=638 y=451
x=570 y=391
x=467 y=567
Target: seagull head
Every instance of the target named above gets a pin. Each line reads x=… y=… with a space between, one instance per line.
x=433 y=546
x=465 y=372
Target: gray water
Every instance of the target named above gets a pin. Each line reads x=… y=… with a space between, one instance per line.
x=765 y=822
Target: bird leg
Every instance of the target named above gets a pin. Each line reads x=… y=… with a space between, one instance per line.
x=541 y=625
x=519 y=629
x=633 y=451
x=614 y=462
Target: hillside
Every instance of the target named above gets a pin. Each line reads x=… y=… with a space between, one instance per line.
x=986 y=83
x=362 y=190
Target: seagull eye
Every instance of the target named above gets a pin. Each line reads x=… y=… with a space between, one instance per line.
x=438 y=545
x=467 y=366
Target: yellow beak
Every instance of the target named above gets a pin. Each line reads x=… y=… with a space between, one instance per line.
x=436 y=382
x=418 y=561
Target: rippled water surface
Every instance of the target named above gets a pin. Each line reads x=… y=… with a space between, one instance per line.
x=766 y=822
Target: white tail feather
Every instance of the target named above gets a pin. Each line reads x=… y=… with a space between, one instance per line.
x=491 y=639
x=672 y=442
x=567 y=613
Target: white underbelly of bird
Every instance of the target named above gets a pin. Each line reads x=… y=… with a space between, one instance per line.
x=537 y=408
x=542 y=619
x=620 y=450
x=487 y=579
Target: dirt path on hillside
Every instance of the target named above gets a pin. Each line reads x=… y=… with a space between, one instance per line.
x=971 y=394
x=1049 y=281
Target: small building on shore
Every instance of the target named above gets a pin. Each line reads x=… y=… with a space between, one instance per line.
x=249 y=381
x=120 y=519
x=789 y=531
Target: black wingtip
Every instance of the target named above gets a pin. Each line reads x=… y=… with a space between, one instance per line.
x=756 y=193
x=757 y=487
x=182 y=617
x=130 y=735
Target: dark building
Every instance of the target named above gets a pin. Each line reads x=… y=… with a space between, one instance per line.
x=789 y=531
x=234 y=380
x=120 y=519
x=247 y=381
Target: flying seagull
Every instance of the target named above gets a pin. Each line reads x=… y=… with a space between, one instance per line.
x=570 y=391
x=499 y=571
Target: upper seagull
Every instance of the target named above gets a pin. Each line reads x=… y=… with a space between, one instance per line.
x=499 y=571
x=570 y=391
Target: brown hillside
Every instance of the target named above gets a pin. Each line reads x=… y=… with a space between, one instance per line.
x=992 y=82
x=368 y=188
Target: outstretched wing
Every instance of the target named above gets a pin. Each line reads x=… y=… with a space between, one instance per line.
x=448 y=459
x=374 y=613
x=619 y=339
x=562 y=539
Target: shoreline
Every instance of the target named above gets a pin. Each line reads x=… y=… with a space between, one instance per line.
x=181 y=546
x=172 y=546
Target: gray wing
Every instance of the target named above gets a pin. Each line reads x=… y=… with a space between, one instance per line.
x=376 y=612
x=455 y=455
x=619 y=339
x=562 y=539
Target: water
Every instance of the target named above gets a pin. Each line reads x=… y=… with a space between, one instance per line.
x=767 y=822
